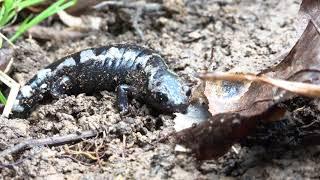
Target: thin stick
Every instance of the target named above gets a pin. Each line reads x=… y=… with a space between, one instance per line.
x=50 y=141
x=135 y=22
x=121 y=4
x=124 y=144
x=5 y=38
x=305 y=89
x=74 y=159
x=14 y=90
x=9 y=65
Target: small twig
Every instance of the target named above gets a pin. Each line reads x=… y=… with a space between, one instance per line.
x=139 y=4
x=11 y=165
x=304 y=89
x=16 y=163
x=235 y=149
x=74 y=159
x=10 y=23
x=50 y=141
x=124 y=144
x=88 y=154
x=97 y=148
x=14 y=90
x=8 y=41
x=135 y=22
x=9 y=66
x=93 y=155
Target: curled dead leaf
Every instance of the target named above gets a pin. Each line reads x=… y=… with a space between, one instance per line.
x=304 y=89
x=82 y=23
x=237 y=108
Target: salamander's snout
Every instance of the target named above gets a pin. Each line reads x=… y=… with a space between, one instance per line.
x=170 y=94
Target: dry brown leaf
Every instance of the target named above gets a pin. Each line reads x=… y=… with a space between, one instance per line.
x=304 y=57
x=254 y=102
x=224 y=96
x=82 y=23
x=213 y=138
x=310 y=10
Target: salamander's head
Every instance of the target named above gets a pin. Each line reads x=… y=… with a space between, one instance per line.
x=168 y=93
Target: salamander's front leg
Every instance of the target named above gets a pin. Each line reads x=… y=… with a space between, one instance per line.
x=123 y=91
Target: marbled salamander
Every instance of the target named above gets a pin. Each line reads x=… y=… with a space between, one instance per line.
x=128 y=69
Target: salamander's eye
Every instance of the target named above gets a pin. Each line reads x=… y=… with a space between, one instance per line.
x=162 y=97
x=188 y=93
x=139 y=66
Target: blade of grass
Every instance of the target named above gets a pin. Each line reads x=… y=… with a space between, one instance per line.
x=10 y=9
x=6 y=8
x=54 y=8
x=26 y=20
x=3 y=99
x=2 y=12
x=28 y=3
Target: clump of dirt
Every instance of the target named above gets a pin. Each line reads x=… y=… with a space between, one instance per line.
x=245 y=35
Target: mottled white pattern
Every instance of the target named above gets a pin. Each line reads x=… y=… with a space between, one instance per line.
x=34 y=84
x=69 y=62
x=64 y=80
x=118 y=62
x=114 y=53
x=43 y=86
x=17 y=107
x=43 y=74
x=150 y=69
x=130 y=54
x=143 y=60
x=110 y=62
x=86 y=55
x=26 y=91
x=101 y=58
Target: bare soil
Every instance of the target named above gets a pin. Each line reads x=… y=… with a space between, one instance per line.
x=245 y=35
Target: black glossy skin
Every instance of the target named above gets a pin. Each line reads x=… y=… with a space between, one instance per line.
x=128 y=69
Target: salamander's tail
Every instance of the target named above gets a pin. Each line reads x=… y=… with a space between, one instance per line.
x=31 y=93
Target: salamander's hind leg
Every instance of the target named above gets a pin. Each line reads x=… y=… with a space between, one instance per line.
x=60 y=86
x=123 y=91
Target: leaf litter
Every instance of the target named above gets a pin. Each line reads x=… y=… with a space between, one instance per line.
x=238 y=101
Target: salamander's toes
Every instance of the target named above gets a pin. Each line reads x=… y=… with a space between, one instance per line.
x=122 y=98
x=124 y=111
